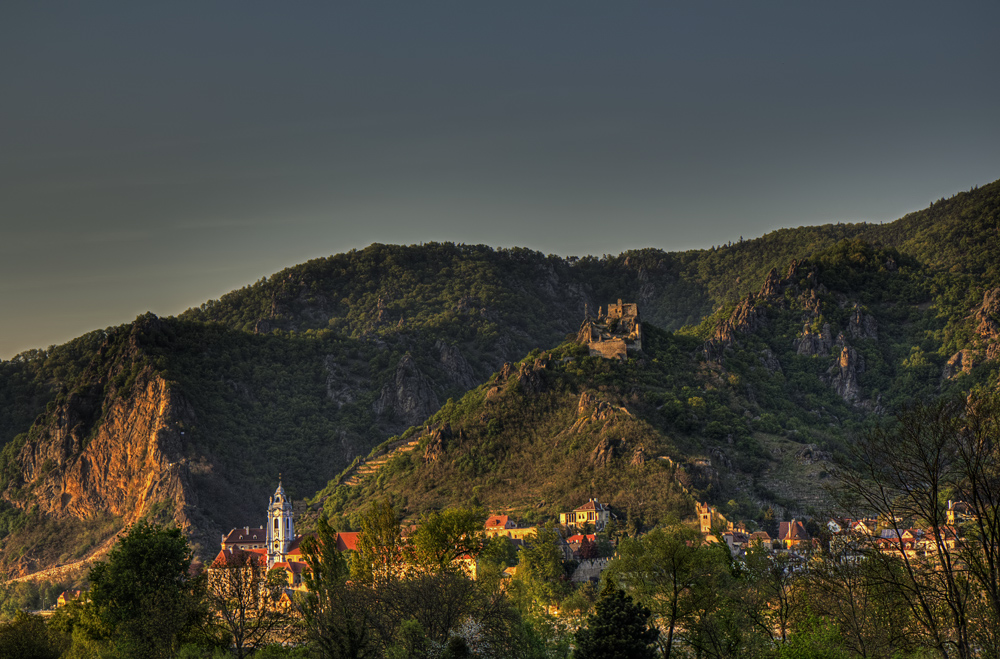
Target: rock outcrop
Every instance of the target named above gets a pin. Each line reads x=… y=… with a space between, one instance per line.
x=962 y=361
x=813 y=343
x=987 y=319
x=844 y=374
x=408 y=395
x=606 y=450
x=770 y=361
x=456 y=366
x=745 y=319
x=862 y=325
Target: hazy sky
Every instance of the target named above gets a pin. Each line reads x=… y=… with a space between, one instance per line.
x=156 y=155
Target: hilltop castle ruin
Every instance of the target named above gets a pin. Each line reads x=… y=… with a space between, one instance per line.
x=615 y=334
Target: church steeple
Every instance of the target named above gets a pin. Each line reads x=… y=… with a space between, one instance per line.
x=280 y=525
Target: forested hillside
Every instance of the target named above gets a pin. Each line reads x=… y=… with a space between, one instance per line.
x=193 y=417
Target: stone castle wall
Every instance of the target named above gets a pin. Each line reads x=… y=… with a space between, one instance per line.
x=610 y=349
x=589 y=569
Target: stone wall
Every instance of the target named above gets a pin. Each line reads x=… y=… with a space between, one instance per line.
x=623 y=310
x=610 y=349
x=590 y=569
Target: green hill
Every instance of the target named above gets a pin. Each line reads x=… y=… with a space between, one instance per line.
x=191 y=418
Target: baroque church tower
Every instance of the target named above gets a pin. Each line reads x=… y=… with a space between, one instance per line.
x=280 y=526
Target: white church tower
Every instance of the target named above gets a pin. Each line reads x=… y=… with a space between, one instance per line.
x=280 y=527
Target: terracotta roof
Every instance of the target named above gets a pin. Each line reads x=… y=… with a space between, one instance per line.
x=792 y=530
x=226 y=556
x=347 y=540
x=579 y=538
x=760 y=535
x=295 y=546
x=593 y=504
x=496 y=521
x=294 y=567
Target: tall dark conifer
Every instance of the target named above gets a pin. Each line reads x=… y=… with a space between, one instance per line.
x=618 y=629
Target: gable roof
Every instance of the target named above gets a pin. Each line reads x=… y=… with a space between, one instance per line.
x=246 y=534
x=496 y=522
x=348 y=540
x=295 y=546
x=591 y=537
x=793 y=530
x=593 y=504
x=229 y=557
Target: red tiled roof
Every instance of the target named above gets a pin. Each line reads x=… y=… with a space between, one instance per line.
x=792 y=531
x=593 y=504
x=295 y=546
x=226 y=556
x=579 y=538
x=496 y=521
x=294 y=567
x=347 y=540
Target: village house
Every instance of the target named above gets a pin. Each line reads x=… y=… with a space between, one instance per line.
x=68 y=596
x=958 y=512
x=593 y=512
x=764 y=538
x=583 y=546
x=793 y=535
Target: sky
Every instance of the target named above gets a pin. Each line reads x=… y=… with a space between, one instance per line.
x=157 y=155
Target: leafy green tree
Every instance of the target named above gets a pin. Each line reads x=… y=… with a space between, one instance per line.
x=499 y=551
x=143 y=596
x=27 y=637
x=443 y=536
x=381 y=548
x=668 y=570
x=338 y=612
x=771 y=597
x=541 y=580
x=618 y=628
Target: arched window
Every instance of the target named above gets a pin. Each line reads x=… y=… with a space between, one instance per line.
x=275 y=523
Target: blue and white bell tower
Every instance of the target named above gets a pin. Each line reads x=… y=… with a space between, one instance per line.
x=280 y=526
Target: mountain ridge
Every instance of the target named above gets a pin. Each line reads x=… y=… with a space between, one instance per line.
x=309 y=368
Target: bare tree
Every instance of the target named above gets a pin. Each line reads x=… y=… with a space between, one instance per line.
x=245 y=601
x=905 y=472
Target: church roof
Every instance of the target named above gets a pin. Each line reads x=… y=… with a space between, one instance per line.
x=295 y=546
x=246 y=534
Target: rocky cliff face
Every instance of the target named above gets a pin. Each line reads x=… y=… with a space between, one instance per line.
x=124 y=463
x=408 y=395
